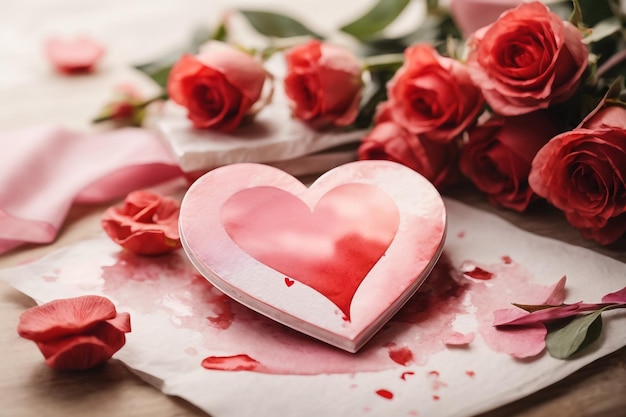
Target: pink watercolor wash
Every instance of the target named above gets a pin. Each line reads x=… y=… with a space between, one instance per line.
x=249 y=341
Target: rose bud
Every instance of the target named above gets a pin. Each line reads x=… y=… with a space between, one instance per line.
x=499 y=153
x=437 y=162
x=218 y=87
x=146 y=223
x=433 y=96
x=323 y=84
x=583 y=173
x=75 y=333
x=527 y=60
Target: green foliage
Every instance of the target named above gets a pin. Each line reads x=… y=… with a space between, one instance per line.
x=564 y=342
x=277 y=25
x=376 y=19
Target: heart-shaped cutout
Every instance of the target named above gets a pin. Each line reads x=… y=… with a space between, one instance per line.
x=330 y=248
x=334 y=261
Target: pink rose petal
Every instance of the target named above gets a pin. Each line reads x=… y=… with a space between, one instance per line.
x=72 y=56
x=458 y=339
x=615 y=297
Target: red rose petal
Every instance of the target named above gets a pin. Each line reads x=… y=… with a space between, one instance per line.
x=64 y=317
x=84 y=351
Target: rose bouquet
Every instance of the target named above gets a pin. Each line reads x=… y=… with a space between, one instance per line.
x=525 y=104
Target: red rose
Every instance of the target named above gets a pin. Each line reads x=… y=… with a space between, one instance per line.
x=217 y=87
x=527 y=60
x=433 y=96
x=75 y=333
x=147 y=223
x=583 y=173
x=498 y=155
x=323 y=83
x=437 y=162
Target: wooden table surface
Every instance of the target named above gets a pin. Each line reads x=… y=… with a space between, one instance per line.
x=30 y=388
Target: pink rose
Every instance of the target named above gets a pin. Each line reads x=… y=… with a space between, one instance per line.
x=75 y=333
x=437 y=162
x=218 y=87
x=499 y=153
x=147 y=223
x=527 y=60
x=583 y=173
x=471 y=15
x=323 y=83
x=433 y=96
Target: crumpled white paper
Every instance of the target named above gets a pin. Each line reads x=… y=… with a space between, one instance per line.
x=178 y=321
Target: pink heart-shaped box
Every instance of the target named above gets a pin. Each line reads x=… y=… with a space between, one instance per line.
x=335 y=261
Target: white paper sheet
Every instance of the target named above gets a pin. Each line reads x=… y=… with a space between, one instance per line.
x=178 y=320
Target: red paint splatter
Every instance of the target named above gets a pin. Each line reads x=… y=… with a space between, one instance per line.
x=401 y=355
x=436 y=382
x=230 y=363
x=478 y=273
x=405 y=374
x=461 y=234
x=289 y=282
x=507 y=260
x=470 y=373
x=436 y=397
x=385 y=394
x=434 y=373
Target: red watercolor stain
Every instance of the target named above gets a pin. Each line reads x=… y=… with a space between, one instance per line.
x=461 y=235
x=385 y=394
x=170 y=285
x=289 y=282
x=470 y=373
x=401 y=355
x=478 y=273
x=507 y=260
x=191 y=351
x=405 y=374
x=436 y=397
x=434 y=373
x=50 y=278
x=413 y=413
x=230 y=363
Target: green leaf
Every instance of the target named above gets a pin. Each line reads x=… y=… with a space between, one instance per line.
x=576 y=18
x=376 y=19
x=277 y=25
x=603 y=30
x=576 y=335
x=160 y=69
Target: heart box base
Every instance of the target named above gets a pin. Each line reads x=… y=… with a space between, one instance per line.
x=265 y=263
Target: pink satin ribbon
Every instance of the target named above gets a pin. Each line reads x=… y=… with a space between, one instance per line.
x=44 y=170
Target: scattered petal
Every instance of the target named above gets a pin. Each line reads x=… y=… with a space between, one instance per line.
x=63 y=317
x=76 y=333
x=557 y=295
x=615 y=297
x=73 y=56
